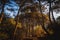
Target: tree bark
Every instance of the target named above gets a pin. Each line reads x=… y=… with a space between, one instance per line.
x=17 y=18
x=42 y=18
x=53 y=16
x=49 y=12
x=2 y=14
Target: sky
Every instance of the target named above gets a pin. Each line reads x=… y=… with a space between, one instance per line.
x=11 y=9
x=12 y=5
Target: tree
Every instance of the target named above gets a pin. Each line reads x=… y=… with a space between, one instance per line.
x=17 y=17
x=52 y=8
x=2 y=12
x=42 y=17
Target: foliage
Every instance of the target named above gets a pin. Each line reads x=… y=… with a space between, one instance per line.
x=29 y=24
x=3 y=36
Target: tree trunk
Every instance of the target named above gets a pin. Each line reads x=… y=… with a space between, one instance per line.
x=2 y=14
x=17 y=18
x=53 y=16
x=42 y=18
x=49 y=12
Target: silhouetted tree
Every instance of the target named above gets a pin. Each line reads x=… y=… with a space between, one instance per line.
x=42 y=17
x=3 y=2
